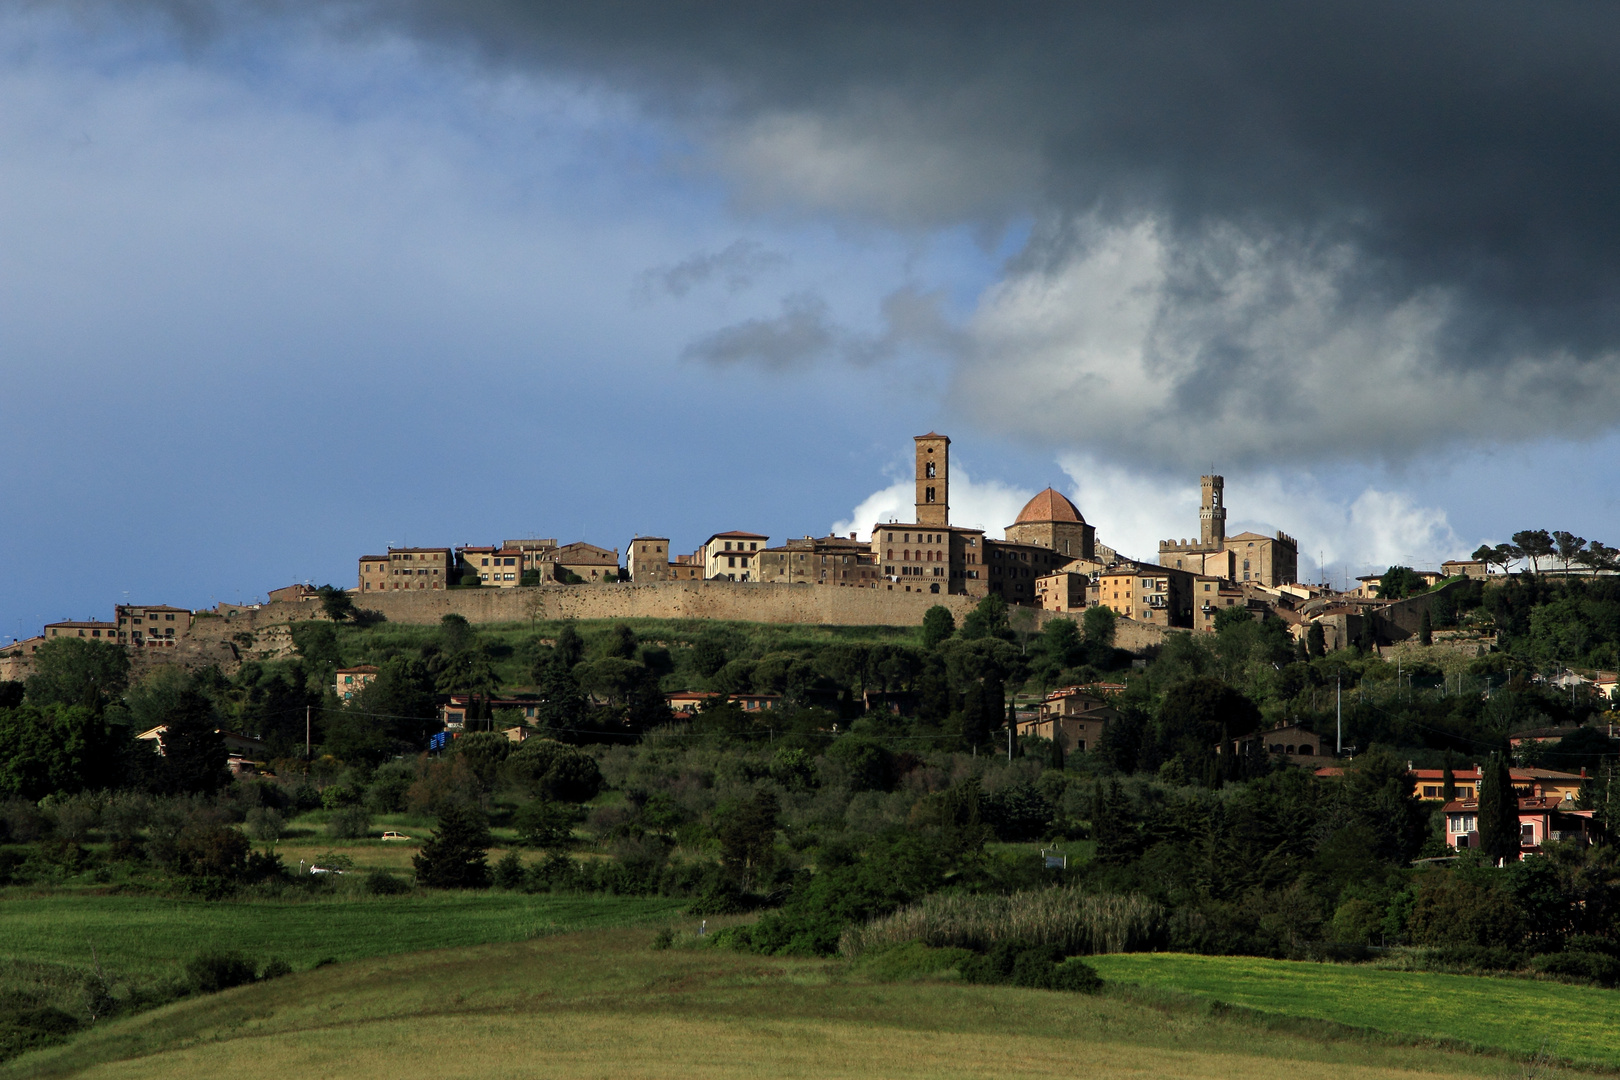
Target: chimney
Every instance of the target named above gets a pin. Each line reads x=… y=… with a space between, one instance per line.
x=852 y=536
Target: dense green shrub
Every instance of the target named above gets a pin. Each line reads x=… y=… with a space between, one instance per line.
x=382 y=883
x=1042 y=967
x=212 y=971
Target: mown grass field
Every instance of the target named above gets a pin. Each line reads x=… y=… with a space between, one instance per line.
x=1571 y=1022
x=150 y=936
x=604 y=1004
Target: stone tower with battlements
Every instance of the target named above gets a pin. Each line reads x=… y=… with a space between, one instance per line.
x=1212 y=512
x=933 y=480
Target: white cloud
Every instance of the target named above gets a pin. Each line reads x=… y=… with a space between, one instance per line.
x=990 y=505
x=1133 y=512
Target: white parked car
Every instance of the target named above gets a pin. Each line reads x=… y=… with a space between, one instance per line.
x=394 y=836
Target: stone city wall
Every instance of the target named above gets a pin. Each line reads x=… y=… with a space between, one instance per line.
x=821 y=605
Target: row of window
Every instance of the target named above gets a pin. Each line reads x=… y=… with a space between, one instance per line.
x=921 y=556
x=923 y=538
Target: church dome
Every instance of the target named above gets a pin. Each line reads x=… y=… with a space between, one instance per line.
x=1049 y=505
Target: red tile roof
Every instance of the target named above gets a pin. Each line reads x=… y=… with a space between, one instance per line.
x=1050 y=505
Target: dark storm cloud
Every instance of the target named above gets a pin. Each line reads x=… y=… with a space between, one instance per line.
x=1319 y=209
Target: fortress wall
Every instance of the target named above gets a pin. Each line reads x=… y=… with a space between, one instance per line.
x=818 y=605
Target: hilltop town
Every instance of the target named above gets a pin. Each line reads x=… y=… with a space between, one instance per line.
x=1049 y=562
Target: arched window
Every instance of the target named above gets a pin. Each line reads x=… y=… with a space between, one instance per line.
x=928 y=470
x=1305 y=748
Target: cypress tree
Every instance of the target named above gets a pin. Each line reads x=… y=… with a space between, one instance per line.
x=1498 y=812
x=1448 y=785
x=1111 y=826
x=455 y=857
x=1426 y=629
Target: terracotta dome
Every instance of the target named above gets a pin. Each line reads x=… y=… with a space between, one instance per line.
x=1049 y=505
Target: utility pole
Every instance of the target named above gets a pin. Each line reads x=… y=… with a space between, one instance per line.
x=1338 y=708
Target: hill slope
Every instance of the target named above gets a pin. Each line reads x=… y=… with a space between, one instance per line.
x=604 y=1004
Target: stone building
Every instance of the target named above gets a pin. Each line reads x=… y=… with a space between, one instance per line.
x=826 y=560
x=89 y=628
x=349 y=681
x=647 y=558
x=1210 y=595
x=1050 y=520
x=499 y=568
x=538 y=555
x=410 y=568
x=1159 y=595
x=588 y=562
x=1249 y=556
x=1072 y=715
x=930 y=554
x=1012 y=569
x=933 y=479
x=17 y=659
x=373 y=574
x=1064 y=590
x=733 y=555
x=140 y=625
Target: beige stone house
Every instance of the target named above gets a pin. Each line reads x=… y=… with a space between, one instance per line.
x=733 y=555
x=90 y=629
x=825 y=560
x=150 y=626
x=500 y=568
x=348 y=682
x=1072 y=715
x=648 y=559
x=408 y=569
x=587 y=561
x=1160 y=595
x=373 y=573
x=1064 y=590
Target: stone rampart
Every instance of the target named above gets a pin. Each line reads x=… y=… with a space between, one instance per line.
x=761 y=602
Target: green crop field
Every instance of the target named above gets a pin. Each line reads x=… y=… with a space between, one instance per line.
x=136 y=936
x=1572 y=1022
x=605 y=1004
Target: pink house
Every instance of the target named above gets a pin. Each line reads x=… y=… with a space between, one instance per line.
x=1541 y=819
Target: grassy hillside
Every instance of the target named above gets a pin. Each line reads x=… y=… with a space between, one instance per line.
x=1570 y=1022
x=604 y=1004
x=147 y=935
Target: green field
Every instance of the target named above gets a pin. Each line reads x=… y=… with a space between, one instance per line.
x=1571 y=1022
x=604 y=1004
x=144 y=936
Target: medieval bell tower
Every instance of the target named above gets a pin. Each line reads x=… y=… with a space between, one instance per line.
x=1212 y=513
x=933 y=480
